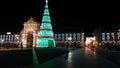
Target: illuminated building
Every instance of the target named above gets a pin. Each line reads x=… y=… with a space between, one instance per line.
x=10 y=38
x=45 y=35
x=108 y=37
x=29 y=33
x=67 y=39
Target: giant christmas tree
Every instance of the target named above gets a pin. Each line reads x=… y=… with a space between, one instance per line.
x=45 y=35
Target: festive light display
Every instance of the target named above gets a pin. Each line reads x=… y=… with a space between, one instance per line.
x=45 y=35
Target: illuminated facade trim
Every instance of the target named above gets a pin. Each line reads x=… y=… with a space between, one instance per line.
x=109 y=37
x=69 y=38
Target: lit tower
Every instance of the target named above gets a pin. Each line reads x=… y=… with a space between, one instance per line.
x=45 y=35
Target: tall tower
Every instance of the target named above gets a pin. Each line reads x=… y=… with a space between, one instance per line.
x=45 y=35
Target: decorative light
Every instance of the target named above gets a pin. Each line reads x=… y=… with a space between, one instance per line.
x=45 y=35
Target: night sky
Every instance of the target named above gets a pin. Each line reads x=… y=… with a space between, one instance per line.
x=66 y=15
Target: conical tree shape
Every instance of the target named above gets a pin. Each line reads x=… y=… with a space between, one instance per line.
x=45 y=35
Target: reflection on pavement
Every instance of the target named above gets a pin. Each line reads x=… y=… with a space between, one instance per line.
x=90 y=51
x=69 y=57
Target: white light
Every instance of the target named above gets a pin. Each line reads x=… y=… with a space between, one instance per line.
x=69 y=38
x=8 y=32
x=89 y=40
x=46 y=1
x=2 y=40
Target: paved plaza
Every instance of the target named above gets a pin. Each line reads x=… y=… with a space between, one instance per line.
x=79 y=58
x=75 y=58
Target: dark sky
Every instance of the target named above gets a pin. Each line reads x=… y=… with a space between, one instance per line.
x=66 y=15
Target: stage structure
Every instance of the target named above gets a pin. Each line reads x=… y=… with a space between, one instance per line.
x=45 y=34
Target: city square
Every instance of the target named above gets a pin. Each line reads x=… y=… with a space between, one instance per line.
x=41 y=45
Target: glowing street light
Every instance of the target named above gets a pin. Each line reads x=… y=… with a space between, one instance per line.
x=69 y=38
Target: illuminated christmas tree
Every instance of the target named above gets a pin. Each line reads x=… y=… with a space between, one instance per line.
x=45 y=35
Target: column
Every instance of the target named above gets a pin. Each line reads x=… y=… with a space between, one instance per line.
x=24 y=40
x=82 y=40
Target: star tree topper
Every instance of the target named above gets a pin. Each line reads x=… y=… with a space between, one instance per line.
x=46 y=1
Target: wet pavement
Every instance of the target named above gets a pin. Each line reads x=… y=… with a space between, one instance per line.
x=79 y=58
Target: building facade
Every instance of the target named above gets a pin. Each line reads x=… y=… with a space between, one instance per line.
x=29 y=33
x=69 y=39
x=11 y=40
x=108 y=37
